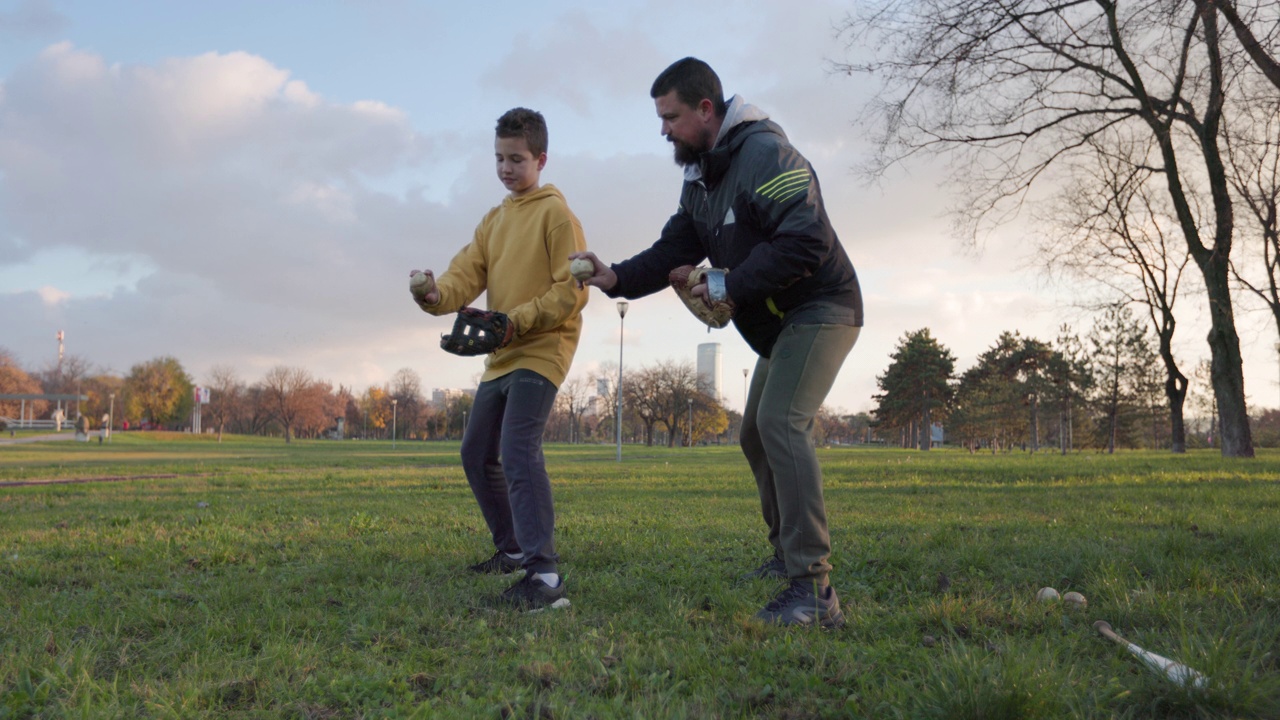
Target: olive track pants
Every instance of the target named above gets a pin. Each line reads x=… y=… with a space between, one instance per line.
x=787 y=390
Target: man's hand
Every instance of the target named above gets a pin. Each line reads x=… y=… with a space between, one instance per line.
x=602 y=276
x=422 y=286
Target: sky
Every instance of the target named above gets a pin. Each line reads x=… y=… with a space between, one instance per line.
x=248 y=184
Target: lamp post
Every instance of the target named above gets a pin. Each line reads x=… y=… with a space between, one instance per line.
x=393 y=422
x=111 y=413
x=690 y=422
x=622 y=326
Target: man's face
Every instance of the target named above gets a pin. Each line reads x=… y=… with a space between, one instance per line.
x=687 y=128
x=518 y=168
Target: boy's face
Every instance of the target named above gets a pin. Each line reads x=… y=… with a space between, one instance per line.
x=518 y=168
x=688 y=128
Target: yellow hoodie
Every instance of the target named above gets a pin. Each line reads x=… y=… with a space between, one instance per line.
x=520 y=255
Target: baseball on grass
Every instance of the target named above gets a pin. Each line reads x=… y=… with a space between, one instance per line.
x=1075 y=600
x=1047 y=594
x=582 y=269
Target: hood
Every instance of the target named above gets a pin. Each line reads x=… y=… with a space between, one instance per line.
x=542 y=193
x=738 y=113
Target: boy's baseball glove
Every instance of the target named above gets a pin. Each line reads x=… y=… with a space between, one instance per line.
x=720 y=310
x=478 y=332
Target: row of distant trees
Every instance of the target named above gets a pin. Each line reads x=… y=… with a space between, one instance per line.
x=662 y=404
x=1105 y=390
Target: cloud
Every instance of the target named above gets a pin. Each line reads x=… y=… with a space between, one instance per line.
x=37 y=18
x=52 y=295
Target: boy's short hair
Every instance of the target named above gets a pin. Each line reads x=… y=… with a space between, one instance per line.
x=524 y=123
x=693 y=80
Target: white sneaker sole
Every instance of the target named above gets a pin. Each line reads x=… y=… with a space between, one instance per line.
x=557 y=605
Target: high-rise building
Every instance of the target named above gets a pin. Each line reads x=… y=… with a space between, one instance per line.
x=710 y=376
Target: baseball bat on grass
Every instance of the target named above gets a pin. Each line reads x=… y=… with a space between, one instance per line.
x=1175 y=671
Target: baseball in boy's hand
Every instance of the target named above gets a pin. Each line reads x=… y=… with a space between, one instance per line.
x=422 y=286
x=582 y=269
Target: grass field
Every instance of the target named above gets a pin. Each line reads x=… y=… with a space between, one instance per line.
x=251 y=578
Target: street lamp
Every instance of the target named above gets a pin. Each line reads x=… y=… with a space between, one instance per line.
x=690 y=422
x=393 y=422
x=622 y=326
x=111 y=413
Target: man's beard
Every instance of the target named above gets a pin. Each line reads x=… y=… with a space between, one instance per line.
x=686 y=154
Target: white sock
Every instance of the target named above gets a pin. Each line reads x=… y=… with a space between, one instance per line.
x=551 y=579
x=517 y=556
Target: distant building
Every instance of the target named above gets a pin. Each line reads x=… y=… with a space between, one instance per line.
x=710 y=375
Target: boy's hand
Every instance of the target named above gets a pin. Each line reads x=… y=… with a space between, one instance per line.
x=422 y=286
x=601 y=276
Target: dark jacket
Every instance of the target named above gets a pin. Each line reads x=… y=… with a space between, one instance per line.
x=753 y=206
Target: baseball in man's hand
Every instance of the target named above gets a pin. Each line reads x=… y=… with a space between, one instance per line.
x=582 y=269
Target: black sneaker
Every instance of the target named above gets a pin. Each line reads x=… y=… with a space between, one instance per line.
x=500 y=564
x=532 y=594
x=798 y=605
x=775 y=568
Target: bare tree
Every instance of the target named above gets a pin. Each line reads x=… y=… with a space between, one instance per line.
x=406 y=388
x=642 y=396
x=1112 y=226
x=226 y=396
x=574 y=397
x=1244 y=33
x=285 y=392
x=1012 y=91
x=1253 y=152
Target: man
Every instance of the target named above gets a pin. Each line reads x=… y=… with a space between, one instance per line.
x=752 y=205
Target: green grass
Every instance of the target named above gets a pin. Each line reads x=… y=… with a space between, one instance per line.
x=324 y=580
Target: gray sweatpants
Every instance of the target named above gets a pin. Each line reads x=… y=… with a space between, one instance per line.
x=787 y=390
x=502 y=458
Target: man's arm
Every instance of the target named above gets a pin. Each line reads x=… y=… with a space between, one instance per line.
x=786 y=203
x=646 y=272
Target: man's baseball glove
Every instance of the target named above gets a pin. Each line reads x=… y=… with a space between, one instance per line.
x=720 y=310
x=478 y=332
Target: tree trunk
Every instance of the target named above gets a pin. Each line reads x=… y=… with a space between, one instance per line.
x=1175 y=388
x=927 y=439
x=1035 y=423
x=1227 y=373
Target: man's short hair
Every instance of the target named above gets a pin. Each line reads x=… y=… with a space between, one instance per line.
x=693 y=80
x=524 y=123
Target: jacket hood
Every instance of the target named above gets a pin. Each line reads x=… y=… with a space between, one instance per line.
x=542 y=193
x=739 y=113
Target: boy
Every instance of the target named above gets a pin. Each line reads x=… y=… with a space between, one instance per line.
x=519 y=255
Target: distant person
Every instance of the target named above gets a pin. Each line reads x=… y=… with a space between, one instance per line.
x=751 y=204
x=82 y=428
x=519 y=255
